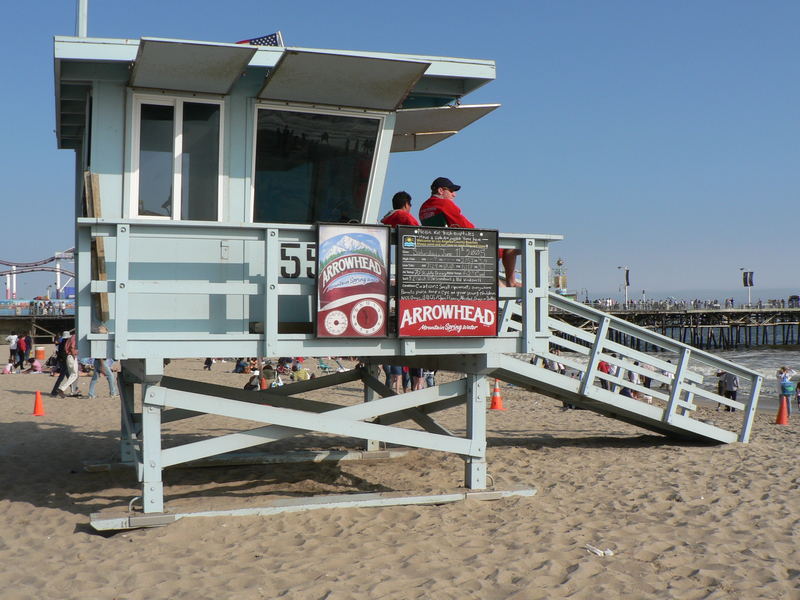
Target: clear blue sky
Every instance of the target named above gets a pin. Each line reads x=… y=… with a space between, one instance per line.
x=664 y=136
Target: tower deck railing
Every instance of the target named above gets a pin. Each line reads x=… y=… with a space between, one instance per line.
x=195 y=289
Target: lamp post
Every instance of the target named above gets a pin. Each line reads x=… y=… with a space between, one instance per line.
x=747 y=281
x=627 y=283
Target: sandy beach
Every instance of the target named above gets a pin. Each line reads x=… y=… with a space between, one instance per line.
x=684 y=521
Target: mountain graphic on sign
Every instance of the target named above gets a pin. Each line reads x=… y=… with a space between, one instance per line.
x=349 y=243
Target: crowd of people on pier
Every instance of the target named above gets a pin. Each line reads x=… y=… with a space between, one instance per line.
x=38 y=307
x=48 y=307
x=611 y=304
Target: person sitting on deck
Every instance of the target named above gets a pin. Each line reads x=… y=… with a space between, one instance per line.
x=440 y=210
x=401 y=211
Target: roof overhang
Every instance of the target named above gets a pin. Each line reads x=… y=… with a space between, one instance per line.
x=421 y=128
x=189 y=66
x=206 y=67
x=342 y=80
x=411 y=142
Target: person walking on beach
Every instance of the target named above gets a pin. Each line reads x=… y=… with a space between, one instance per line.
x=71 y=349
x=61 y=361
x=603 y=367
x=417 y=380
x=665 y=385
x=440 y=210
x=430 y=378
x=394 y=375
x=797 y=395
x=22 y=350
x=613 y=371
x=786 y=389
x=28 y=345
x=730 y=386
x=12 y=347
x=102 y=365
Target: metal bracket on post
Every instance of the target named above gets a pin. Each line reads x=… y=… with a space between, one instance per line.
x=152 y=485
x=121 y=292
x=128 y=427
x=369 y=395
x=272 y=249
x=530 y=316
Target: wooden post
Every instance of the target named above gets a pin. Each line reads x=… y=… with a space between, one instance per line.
x=475 y=466
x=92 y=207
x=369 y=395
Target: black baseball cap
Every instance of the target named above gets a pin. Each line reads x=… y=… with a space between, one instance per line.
x=444 y=182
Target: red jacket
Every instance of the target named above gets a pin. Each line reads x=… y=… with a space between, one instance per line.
x=447 y=208
x=399 y=217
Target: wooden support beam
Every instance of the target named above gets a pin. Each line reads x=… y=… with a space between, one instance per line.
x=92 y=208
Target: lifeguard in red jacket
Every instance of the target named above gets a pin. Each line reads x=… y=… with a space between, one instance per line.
x=440 y=210
x=401 y=211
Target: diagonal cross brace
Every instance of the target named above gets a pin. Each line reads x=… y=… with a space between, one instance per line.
x=421 y=418
x=226 y=443
x=345 y=421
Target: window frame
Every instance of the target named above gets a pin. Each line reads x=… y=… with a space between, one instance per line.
x=380 y=140
x=177 y=102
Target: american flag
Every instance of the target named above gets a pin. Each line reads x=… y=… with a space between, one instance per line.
x=273 y=39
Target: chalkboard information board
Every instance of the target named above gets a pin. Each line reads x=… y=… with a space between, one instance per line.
x=446 y=282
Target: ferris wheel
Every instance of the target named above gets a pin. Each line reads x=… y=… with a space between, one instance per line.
x=19 y=268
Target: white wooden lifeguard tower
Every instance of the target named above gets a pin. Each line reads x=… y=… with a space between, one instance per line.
x=202 y=171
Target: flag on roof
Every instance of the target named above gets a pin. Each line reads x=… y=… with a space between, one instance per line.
x=273 y=39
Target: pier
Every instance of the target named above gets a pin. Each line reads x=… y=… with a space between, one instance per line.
x=43 y=326
x=710 y=328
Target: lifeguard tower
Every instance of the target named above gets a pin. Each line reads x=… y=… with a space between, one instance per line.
x=203 y=173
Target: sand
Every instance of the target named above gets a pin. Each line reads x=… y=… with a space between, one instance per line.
x=682 y=520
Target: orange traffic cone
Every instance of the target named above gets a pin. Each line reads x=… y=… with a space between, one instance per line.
x=783 y=412
x=497 y=399
x=38 y=407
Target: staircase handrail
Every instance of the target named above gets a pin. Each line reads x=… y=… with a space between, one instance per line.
x=684 y=386
x=649 y=336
